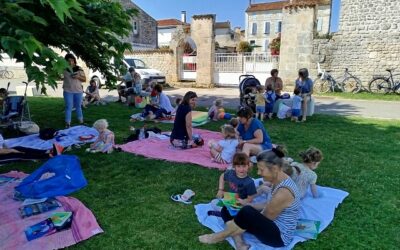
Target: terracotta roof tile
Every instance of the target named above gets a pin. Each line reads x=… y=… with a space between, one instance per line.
x=266 y=6
x=169 y=22
x=278 y=5
x=223 y=25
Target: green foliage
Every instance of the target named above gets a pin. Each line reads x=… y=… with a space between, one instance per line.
x=91 y=29
x=129 y=194
x=244 y=46
x=275 y=43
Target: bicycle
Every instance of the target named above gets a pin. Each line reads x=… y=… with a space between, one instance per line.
x=4 y=73
x=383 y=84
x=326 y=82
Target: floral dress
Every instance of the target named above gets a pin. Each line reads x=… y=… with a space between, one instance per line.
x=104 y=143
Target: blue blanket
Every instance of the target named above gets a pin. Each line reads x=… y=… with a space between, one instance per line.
x=65 y=138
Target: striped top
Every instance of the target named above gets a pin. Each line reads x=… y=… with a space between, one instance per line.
x=287 y=219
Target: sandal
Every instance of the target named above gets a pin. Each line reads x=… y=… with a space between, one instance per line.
x=185 y=198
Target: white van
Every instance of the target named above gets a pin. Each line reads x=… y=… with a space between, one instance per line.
x=147 y=74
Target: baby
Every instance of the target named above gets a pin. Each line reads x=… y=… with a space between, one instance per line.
x=105 y=141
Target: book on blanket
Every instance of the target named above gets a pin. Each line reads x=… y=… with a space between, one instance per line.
x=38 y=208
x=308 y=229
x=230 y=201
x=57 y=222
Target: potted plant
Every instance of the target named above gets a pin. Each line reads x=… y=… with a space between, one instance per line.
x=275 y=46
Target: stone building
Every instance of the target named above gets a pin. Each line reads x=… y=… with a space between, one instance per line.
x=144 y=28
x=226 y=38
x=166 y=27
x=264 y=21
x=368 y=40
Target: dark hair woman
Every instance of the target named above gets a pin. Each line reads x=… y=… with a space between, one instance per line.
x=74 y=76
x=305 y=85
x=182 y=130
x=254 y=137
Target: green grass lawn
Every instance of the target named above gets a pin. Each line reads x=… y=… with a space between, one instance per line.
x=129 y=195
x=363 y=96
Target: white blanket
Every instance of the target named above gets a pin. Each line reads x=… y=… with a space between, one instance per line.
x=65 y=138
x=321 y=209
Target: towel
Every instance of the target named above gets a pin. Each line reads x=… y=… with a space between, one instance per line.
x=65 y=138
x=320 y=209
x=12 y=226
x=161 y=149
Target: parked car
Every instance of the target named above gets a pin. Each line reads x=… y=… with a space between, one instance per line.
x=147 y=74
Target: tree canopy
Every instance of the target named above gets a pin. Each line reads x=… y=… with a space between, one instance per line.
x=91 y=29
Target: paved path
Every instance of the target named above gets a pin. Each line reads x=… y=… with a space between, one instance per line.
x=324 y=105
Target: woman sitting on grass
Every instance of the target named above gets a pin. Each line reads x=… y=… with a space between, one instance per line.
x=182 y=131
x=254 y=137
x=272 y=222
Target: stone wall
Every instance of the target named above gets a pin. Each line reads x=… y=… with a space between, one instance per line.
x=162 y=61
x=202 y=33
x=296 y=42
x=368 y=40
x=145 y=35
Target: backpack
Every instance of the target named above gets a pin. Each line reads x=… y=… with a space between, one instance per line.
x=47 y=133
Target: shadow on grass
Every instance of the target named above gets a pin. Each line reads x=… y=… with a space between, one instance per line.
x=130 y=194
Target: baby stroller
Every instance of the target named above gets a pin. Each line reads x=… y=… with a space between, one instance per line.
x=247 y=85
x=15 y=110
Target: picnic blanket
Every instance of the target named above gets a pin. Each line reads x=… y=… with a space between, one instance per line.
x=65 y=138
x=198 y=118
x=161 y=149
x=321 y=209
x=12 y=226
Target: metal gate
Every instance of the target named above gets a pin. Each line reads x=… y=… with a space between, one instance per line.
x=229 y=66
x=188 y=68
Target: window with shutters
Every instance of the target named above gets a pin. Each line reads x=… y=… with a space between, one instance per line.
x=135 y=28
x=254 y=29
x=278 y=27
x=267 y=28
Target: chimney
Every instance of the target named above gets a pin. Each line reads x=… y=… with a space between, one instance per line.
x=183 y=16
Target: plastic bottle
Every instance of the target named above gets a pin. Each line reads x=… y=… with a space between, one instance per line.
x=141 y=134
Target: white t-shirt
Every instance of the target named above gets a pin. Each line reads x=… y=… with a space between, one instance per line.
x=228 y=149
x=165 y=103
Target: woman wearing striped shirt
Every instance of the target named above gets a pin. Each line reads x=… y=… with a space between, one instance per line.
x=272 y=222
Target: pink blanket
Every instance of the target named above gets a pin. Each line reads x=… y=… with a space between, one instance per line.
x=12 y=226
x=161 y=149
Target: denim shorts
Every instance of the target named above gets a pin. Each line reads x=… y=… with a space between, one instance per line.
x=260 y=109
x=296 y=112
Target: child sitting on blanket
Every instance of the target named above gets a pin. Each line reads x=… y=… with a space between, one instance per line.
x=223 y=150
x=105 y=141
x=215 y=110
x=303 y=174
x=238 y=180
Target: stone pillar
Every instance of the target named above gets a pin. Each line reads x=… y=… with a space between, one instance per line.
x=296 y=42
x=202 y=33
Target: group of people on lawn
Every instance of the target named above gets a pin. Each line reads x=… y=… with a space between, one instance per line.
x=272 y=222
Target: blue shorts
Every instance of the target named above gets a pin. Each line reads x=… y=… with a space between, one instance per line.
x=296 y=112
x=269 y=107
x=260 y=109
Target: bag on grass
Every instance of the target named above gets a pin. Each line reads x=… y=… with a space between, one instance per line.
x=141 y=102
x=67 y=177
x=47 y=133
x=282 y=111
